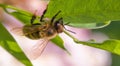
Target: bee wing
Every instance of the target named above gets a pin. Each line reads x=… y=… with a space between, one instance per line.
x=17 y=31
x=37 y=49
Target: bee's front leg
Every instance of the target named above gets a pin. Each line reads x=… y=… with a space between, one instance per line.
x=33 y=18
x=42 y=16
x=52 y=20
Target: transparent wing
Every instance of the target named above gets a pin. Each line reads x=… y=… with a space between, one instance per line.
x=37 y=49
x=17 y=31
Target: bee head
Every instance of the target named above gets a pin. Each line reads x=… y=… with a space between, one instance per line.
x=58 y=25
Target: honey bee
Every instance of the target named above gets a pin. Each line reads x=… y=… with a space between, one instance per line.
x=46 y=30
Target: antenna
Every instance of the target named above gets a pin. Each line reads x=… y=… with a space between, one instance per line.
x=67 y=29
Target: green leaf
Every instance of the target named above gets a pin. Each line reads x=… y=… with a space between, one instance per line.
x=113 y=33
x=14 y=9
x=111 y=30
x=85 y=12
x=9 y=44
x=23 y=18
x=88 y=14
x=110 y=45
x=59 y=42
x=20 y=14
x=115 y=60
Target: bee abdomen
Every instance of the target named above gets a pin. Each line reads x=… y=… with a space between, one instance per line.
x=34 y=35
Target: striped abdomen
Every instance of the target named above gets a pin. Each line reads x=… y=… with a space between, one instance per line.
x=31 y=32
x=38 y=32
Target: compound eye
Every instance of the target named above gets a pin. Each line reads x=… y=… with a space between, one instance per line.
x=59 y=25
x=59 y=28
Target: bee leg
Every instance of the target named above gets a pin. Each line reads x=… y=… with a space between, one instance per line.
x=59 y=21
x=32 y=19
x=42 y=16
x=55 y=16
